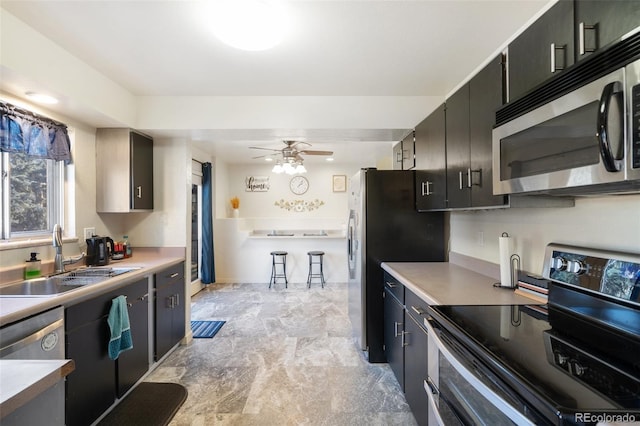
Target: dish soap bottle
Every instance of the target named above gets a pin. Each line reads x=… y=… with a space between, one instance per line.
x=32 y=268
x=127 y=246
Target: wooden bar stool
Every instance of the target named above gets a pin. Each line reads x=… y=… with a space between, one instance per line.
x=315 y=258
x=278 y=258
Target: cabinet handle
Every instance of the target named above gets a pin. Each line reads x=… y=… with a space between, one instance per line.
x=175 y=274
x=554 y=50
x=418 y=311
x=426 y=188
x=404 y=341
x=469 y=178
x=169 y=302
x=581 y=38
x=139 y=191
x=177 y=300
x=395 y=328
x=478 y=181
x=391 y=285
x=460 y=180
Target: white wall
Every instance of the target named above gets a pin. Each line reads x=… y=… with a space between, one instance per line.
x=241 y=258
x=609 y=222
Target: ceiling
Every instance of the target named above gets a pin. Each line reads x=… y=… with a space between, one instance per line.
x=361 y=48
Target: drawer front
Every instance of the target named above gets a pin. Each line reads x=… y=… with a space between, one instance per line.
x=170 y=275
x=416 y=307
x=394 y=286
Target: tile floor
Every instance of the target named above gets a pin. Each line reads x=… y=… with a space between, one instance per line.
x=284 y=357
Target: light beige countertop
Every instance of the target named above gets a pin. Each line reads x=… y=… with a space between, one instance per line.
x=149 y=260
x=444 y=283
x=23 y=380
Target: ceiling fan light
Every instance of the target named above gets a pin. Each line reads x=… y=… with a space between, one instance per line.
x=300 y=169
x=277 y=168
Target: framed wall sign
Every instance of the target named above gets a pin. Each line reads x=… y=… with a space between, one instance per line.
x=256 y=183
x=339 y=183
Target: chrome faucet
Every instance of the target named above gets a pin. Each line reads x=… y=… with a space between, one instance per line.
x=60 y=261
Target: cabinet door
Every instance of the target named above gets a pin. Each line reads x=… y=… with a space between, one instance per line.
x=141 y=172
x=431 y=162
x=415 y=370
x=408 y=152
x=601 y=22
x=545 y=48
x=131 y=365
x=163 y=320
x=394 y=335
x=485 y=97
x=91 y=387
x=457 y=131
x=179 y=321
x=397 y=156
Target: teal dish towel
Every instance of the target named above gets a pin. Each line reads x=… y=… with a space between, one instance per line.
x=118 y=320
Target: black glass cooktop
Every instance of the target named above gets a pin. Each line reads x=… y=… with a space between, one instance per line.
x=546 y=355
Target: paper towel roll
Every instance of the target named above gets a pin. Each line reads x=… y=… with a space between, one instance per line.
x=506 y=250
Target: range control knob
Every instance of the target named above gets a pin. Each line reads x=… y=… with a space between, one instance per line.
x=576 y=267
x=561 y=359
x=559 y=263
x=577 y=369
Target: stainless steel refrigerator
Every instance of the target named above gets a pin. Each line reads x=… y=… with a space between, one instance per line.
x=384 y=226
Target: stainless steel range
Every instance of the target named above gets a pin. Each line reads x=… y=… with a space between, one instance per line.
x=573 y=361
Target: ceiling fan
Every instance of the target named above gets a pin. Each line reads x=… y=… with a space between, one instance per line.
x=291 y=153
x=291 y=162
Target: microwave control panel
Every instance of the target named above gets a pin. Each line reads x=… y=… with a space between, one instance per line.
x=635 y=126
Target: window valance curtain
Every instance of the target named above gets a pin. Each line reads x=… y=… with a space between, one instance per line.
x=34 y=135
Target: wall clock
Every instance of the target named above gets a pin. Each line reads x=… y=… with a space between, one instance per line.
x=299 y=185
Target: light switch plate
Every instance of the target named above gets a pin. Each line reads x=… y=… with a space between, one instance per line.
x=89 y=232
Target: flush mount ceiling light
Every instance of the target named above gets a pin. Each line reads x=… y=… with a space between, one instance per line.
x=248 y=24
x=41 y=98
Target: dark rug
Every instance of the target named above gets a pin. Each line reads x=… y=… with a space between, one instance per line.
x=205 y=329
x=152 y=404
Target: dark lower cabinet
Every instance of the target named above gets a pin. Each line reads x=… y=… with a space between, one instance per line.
x=96 y=381
x=415 y=369
x=169 y=309
x=91 y=387
x=133 y=364
x=394 y=335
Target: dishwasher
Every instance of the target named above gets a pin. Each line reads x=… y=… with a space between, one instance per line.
x=37 y=337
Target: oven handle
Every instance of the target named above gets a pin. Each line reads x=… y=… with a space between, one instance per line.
x=610 y=163
x=473 y=380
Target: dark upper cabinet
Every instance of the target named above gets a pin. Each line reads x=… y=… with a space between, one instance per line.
x=602 y=22
x=141 y=172
x=457 y=147
x=485 y=97
x=124 y=171
x=431 y=162
x=408 y=152
x=542 y=50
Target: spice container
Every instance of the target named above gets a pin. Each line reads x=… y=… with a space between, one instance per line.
x=33 y=267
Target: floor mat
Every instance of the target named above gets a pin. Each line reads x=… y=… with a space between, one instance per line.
x=205 y=329
x=149 y=403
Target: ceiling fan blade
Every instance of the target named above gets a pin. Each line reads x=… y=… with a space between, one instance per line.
x=267 y=149
x=314 y=152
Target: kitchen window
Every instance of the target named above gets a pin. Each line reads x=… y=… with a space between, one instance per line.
x=32 y=195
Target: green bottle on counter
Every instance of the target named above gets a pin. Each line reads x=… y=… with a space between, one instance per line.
x=32 y=268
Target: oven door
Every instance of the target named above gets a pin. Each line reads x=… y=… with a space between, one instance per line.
x=461 y=391
x=577 y=140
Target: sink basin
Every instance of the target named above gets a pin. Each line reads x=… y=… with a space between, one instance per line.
x=62 y=283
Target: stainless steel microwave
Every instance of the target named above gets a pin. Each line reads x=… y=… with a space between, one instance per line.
x=584 y=142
